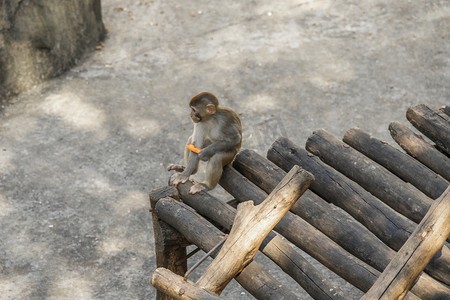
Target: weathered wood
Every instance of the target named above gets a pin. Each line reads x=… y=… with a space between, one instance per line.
x=434 y=124
x=409 y=262
x=399 y=195
x=250 y=228
x=445 y=109
x=415 y=146
x=336 y=224
x=389 y=226
x=330 y=184
x=174 y=285
x=304 y=235
x=277 y=249
x=170 y=245
x=330 y=220
x=399 y=163
x=200 y=232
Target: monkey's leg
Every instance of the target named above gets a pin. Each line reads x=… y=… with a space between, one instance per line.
x=214 y=169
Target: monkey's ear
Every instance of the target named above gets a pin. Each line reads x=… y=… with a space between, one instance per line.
x=210 y=109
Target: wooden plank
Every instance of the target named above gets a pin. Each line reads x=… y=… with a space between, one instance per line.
x=277 y=249
x=200 y=232
x=174 y=285
x=251 y=226
x=387 y=187
x=409 y=262
x=433 y=123
x=332 y=185
x=399 y=163
x=415 y=146
x=304 y=235
x=170 y=245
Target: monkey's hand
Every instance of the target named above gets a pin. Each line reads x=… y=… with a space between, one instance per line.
x=206 y=154
x=177 y=178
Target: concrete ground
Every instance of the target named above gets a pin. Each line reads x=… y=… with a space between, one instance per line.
x=80 y=153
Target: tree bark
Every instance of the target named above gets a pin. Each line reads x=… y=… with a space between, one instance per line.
x=415 y=146
x=277 y=249
x=409 y=262
x=399 y=195
x=200 y=232
x=251 y=226
x=399 y=163
x=433 y=124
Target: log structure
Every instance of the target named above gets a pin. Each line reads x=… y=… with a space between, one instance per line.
x=415 y=146
x=364 y=205
x=433 y=123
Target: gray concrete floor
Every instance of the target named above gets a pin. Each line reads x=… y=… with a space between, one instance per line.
x=80 y=153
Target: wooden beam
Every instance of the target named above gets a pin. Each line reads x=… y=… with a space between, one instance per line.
x=331 y=184
x=174 y=285
x=445 y=109
x=335 y=223
x=387 y=187
x=415 y=146
x=412 y=258
x=202 y=233
x=277 y=249
x=399 y=163
x=389 y=226
x=304 y=235
x=250 y=228
x=170 y=245
x=330 y=220
x=433 y=123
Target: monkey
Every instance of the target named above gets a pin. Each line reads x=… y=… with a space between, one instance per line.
x=218 y=132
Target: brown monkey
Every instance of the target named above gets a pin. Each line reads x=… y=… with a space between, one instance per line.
x=218 y=132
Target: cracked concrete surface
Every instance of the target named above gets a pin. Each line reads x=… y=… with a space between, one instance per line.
x=80 y=153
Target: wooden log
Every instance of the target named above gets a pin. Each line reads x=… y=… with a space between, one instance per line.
x=336 y=224
x=304 y=235
x=335 y=187
x=399 y=195
x=433 y=124
x=174 y=285
x=399 y=163
x=170 y=245
x=330 y=220
x=277 y=249
x=251 y=226
x=200 y=232
x=445 y=109
x=415 y=146
x=412 y=258
x=389 y=226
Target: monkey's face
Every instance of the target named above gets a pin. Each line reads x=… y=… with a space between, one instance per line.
x=195 y=115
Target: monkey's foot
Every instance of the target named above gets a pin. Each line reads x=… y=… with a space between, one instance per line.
x=177 y=178
x=198 y=188
x=177 y=168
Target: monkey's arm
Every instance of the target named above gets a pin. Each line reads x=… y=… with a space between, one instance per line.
x=220 y=146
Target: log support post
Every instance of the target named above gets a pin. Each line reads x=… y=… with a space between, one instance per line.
x=170 y=245
x=412 y=258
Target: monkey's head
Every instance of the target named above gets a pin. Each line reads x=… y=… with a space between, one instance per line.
x=203 y=106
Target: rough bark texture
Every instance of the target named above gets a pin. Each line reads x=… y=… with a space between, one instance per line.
x=41 y=39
